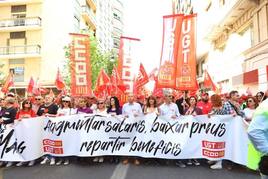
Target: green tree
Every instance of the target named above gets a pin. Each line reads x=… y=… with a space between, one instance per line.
x=98 y=60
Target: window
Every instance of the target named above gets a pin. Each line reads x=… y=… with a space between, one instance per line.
x=19 y=8
x=16 y=66
x=222 y=2
x=17 y=35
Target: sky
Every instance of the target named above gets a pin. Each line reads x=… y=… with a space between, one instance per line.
x=143 y=19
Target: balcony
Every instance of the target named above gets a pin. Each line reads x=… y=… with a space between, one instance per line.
x=223 y=18
x=25 y=51
x=20 y=24
x=89 y=16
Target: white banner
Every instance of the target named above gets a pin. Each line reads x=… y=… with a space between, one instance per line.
x=218 y=137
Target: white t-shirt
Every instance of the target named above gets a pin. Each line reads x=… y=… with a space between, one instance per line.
x=169 y=110
x=131 y=109
x=249 y=113
x=102 y=113
x=66 y=111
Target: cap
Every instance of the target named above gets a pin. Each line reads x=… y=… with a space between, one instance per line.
x=66 y=98
x=11 y=94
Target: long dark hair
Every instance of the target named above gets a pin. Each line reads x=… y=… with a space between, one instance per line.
x=116 y=103
x=148 y=99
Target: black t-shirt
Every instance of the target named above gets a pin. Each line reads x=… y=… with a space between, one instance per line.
x=9 y=115
x=51 y=109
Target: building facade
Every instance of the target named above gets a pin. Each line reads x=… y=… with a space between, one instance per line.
x=235 y=34
x=33 y=34
x=109 y=24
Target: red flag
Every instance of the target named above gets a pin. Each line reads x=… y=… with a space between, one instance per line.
x=142 y=77
x=30 y=86
x=59 y=81
x=186 y=59
x=171 y=41
x=117 y=81
x=103 y=84
x=153 y=74
x=208 y=83
x=8 y=83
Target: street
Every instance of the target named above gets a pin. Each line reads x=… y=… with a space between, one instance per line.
x=120 y=171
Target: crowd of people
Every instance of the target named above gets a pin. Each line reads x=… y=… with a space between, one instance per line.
x=12 y=109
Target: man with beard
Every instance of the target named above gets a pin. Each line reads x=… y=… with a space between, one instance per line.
x=204 y=104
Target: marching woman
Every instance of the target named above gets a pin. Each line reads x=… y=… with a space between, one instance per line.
x=151 y=106
x=24 y=113
x=250 y=109
x=101 y=110
x=193 y=110
x=65 y=110
x=217 y=109
x=83 y=106
x=114 y=109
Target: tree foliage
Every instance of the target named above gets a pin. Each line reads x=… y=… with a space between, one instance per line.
x=98 y=60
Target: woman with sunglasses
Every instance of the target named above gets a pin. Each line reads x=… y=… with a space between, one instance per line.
x=101 y=110
x=65 y=110
x=251 y=104
x=24 y=113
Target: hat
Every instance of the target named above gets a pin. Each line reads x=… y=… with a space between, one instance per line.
x=66 y=98
x=11 y=94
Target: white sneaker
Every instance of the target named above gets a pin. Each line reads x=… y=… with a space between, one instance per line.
x=101 y=159
x=19 y=164
x=210 y=162
x=59 y=162
x=189 y=162
x=96 y=159
x=66 y=162
x=44 y=161
x=31 y=163
x=195 y=162
x=52 y=161
x=9 y=164
x=217 y=165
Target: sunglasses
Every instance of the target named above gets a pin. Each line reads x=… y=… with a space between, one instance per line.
x=38 y=99
x=101 y=103
x=27 y=103
x=250 y=101
x=65 y=101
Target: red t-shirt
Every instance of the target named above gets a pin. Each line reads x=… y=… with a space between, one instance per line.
x=205 y=107
x=25 y=114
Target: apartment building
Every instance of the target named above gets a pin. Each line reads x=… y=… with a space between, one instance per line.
x=33 y=34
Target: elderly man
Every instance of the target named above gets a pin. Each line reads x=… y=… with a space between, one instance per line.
x=131 y=109
x=170 y=110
